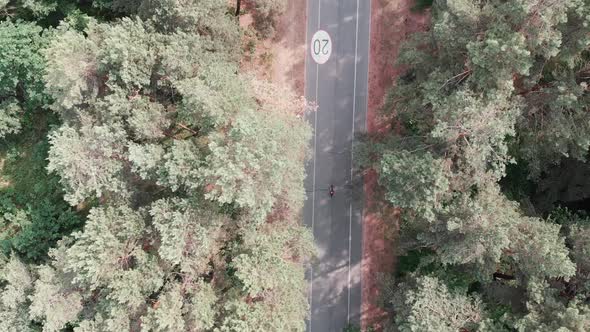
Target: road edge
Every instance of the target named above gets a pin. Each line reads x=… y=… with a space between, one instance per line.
x=374 y=245
x=391 y=23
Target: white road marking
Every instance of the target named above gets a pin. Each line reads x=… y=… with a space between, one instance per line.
x=321 y=47
x=356 y=42
x=349 y=248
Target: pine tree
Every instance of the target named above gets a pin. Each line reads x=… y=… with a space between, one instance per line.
x=17 y=284
x=21 y=70
x=491 y=83
x=177 y=161
x=427 y=304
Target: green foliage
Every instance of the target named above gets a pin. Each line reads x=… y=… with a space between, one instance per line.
x=423 y=262
x=555 y=130
x=543 y=252
x=33 y=197
x=200 y=306
x=49 y=221
x=70 y=65
x=87 y=160
x=474 y=128
x=547 y=312
x=16 y=284
x=414 y=181
x=490 y=84
x=576 y=228
x=426 y=304
x=266 y=13
x=269 y=279
x=51 y=12
x=118 y=6
x=21 y=71
x=181 y=166
x=210 y=19
x=175 y=160
x=127 y=52
x=253 y=146
x=420 y=5
x=411 y=261
x=108 y=254
x=517 y=185
x=65 y=305
x=148 y=120
x=10 y=113
x=167 y=316
x=484 y=229
x=189 y=235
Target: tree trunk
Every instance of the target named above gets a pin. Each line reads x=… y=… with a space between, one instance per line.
x=238 y=4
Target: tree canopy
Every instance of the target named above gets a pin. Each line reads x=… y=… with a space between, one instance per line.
x=176 y=206
x=493 y=100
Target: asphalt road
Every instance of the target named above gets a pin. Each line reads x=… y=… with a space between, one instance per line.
x=339 y=87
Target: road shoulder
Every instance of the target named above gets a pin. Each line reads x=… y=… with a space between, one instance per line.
x=391 y=23
x=281 y=57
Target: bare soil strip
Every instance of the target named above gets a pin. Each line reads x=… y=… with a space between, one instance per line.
x=280 y=58
x=289 y=47
x=391 y=22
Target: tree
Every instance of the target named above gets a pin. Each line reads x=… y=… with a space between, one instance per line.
x=35 y=215
x=266 y=13
x=540 y=251
x=166 y=314
x=177 y=158
x=17 y=284
x=210 y=19
x=21 y=70
x=490 y=83
x=118 y=6
x=253 y=147
x=200 y=308
x=547 y=312
x=10 y=113
x=486 y=230
x=22 y=64
x=414 y=181
x=65 y=303
x=426 y=304
x=127 y=52
x=71 y=65
x=575 y=228
x=109 y=254
x=189 y=236
x=88 y=160
x=270 y=276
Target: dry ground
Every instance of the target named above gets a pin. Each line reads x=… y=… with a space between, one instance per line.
x=281 y=58
x=391 y=22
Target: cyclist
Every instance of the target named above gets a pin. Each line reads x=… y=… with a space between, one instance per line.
x=331 y=190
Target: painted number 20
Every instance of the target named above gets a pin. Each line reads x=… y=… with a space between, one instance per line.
x=321 y=47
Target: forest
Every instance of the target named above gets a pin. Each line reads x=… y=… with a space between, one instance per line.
x=487 y=161
x=144 y=185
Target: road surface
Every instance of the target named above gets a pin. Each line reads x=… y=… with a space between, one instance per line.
x=339 y=87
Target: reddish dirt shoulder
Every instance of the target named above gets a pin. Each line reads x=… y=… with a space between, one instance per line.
x=281 y=58
x=391 y=22
x=289 y=47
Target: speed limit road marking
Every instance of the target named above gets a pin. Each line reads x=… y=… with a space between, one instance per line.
x=321 y=47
